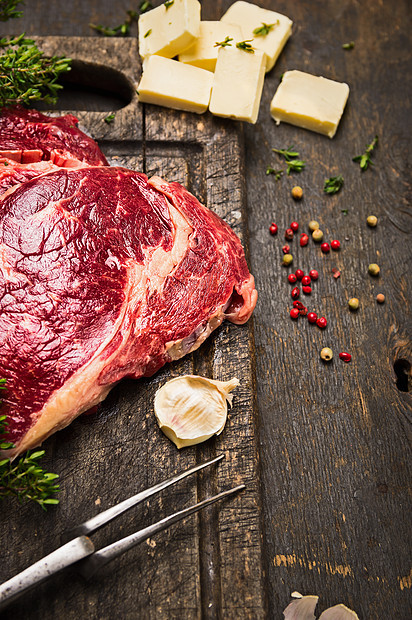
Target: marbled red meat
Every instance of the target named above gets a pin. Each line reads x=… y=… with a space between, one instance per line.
x=105 y=274
x=28 y=136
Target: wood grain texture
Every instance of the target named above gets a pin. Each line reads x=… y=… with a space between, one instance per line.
x=189 y=570
x=334 y=442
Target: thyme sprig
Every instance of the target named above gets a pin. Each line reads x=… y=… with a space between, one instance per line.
x=8 y=10
x=26 y=75
x=365 y=159
x=277 y=173
x=333 y=185
x=245 y=46
x=123 y=30
x=291 y=157
x=265 y=29
x=224 y=43
x=25 y=479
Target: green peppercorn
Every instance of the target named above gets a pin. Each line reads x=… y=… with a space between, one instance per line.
x=287 y=259
x=313 y=225
x=317 y=235
x=297 y=192
x=353 y=303
x=326 y=354
x=374 y=269
x=371 y=221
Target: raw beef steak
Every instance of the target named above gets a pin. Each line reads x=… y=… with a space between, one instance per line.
x=27 y=136
x=105 y=274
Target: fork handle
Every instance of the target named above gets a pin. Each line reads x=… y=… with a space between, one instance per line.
x=69 y=553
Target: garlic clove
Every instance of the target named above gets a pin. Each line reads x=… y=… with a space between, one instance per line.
x=191 y=409
x=338 y=612
x=302 y=608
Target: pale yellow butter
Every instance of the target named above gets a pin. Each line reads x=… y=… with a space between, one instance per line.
x=309 y=101
x=175 y=85
x=203 y=53
x=250 y=17
x=238 y=83
x=169 y=31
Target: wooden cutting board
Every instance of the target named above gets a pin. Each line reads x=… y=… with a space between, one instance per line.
x=210 y=565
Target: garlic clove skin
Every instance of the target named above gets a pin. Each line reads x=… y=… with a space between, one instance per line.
x=191 y=409
x=338 y=612
x=302 y=608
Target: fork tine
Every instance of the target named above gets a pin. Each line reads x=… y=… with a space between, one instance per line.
x=93 y=524
x=90 y=565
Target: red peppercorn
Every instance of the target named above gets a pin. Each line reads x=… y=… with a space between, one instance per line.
x=306 y=280
x=312 y=317
x=321 y=322
x=345 y=357
x=273 y=229
x=313 y=274
x=298 y=304
x=286 y=249
x=294 y=313
x=292 y=278
x=304 y=240
x=335 y=244
x=303 y=311
x=294 y=226
x=295 y=293
x=307 y=290
x=325 y=247
x=299 y=274
x=289 y=234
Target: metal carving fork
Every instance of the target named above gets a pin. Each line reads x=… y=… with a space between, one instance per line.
x=81 y=549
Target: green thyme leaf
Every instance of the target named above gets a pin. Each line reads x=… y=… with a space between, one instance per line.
x=245 y=46
x=288 y=153
x=277 y=173
x=224 y=43
x=145 y=5
x=344 y=211
x=148 y=33
x=117 y=31
x=8 y=10
x=265 y=29
x=168 y=4
x=348 y=46
x=333 y=185
x=365 y=159
x=110 y=118
x=295 y=165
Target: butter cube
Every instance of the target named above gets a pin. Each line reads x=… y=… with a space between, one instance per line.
x=169 y=29
x=203 y=53
x=175 y=85
x=251 y=17
x=309 y=101
x=238 y=84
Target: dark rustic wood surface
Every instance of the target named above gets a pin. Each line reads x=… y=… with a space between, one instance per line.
x=326 y=449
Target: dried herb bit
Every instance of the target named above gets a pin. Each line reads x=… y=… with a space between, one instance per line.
x=290 y=156
x=295 y=165
x=123 y=30
x=288 y=153
x=24 y=479
x=224 y=43
x=333 y=185
x=148 y=33
x=265 y=29
x=8 y=10
x=348 y=46
x=365 y=159
x=168 y=4
x=26 y=75
x=344 y=211
x=144 y=6
x=245 y=46
x=110 y=118
x=276 y=173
